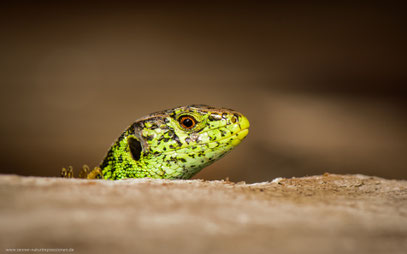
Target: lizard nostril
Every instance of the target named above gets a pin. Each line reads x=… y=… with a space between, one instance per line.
x=235 y=118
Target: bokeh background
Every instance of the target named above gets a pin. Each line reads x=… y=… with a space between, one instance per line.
x=323 y=84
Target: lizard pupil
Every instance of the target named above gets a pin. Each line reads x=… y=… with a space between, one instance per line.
x=187 y=122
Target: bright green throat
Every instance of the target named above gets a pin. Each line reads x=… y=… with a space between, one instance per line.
x=175 y=143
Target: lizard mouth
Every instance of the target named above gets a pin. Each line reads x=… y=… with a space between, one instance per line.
x=242 y=134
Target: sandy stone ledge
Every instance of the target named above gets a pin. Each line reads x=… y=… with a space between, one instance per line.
x=317 y=214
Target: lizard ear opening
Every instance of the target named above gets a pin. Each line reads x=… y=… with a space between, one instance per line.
x=135 y=148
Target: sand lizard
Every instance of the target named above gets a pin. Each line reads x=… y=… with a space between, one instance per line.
x=172 y=144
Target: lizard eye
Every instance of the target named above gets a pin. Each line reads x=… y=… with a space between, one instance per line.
x=187 y=122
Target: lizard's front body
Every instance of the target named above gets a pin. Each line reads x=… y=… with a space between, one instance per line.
x=172 y=144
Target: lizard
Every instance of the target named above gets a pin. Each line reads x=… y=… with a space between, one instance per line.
x=171 y=144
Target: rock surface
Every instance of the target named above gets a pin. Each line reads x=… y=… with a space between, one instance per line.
x=318 y=214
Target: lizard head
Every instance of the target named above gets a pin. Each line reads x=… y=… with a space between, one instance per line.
x=176 y=143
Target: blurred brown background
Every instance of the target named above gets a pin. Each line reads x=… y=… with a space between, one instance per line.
x=323 y=85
